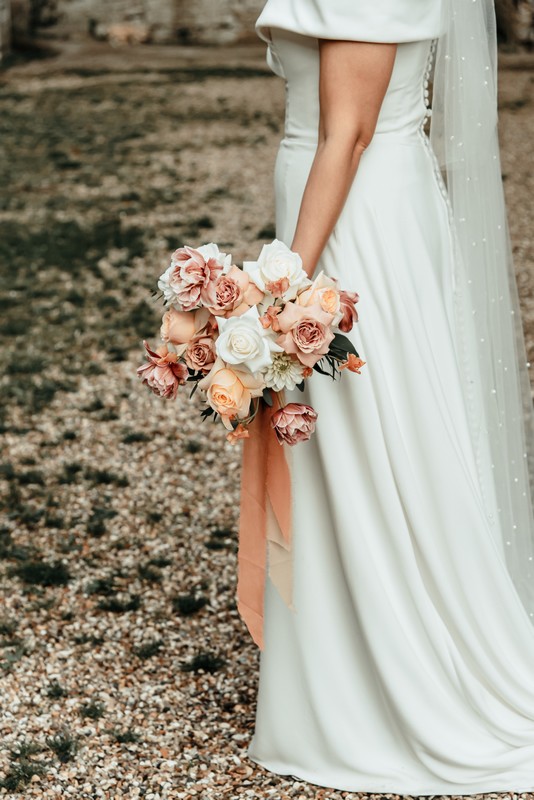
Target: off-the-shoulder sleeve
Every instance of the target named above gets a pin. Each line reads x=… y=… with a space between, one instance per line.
x=358 y=20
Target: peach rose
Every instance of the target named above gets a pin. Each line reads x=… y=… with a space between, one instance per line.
x=294 y=423
x=163 y=373
x=177 y=327
x=200 y=353
x=233 y=293
x=305 y=331
x=324 y=291
x=229 y=391
x=348 y=302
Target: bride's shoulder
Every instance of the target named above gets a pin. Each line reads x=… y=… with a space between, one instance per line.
x=365 y=20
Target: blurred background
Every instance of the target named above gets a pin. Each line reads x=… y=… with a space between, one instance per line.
x=126 y=130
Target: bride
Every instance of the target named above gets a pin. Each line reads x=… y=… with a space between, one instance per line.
x=406 y=663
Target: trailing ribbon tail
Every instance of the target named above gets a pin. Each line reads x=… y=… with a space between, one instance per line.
x=264 y=522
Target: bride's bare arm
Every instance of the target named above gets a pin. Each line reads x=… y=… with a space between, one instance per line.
x=354 y=77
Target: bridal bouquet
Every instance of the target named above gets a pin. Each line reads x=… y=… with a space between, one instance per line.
x=241 y=335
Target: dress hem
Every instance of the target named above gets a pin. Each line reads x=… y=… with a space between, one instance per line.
x=439 y=790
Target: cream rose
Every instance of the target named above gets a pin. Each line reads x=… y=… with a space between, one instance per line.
x=277 y=262
x=243 y=340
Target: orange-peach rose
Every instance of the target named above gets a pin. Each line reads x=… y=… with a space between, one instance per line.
x=179 y=327
x=324 y=291
x=229 y=391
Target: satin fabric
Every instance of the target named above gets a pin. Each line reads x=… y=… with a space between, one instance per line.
x=364 y=20
x=407 y=665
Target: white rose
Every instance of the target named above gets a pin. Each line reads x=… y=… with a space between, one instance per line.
x=164 y=285
x=243 y=340
x=212 y=251
x=277 y=261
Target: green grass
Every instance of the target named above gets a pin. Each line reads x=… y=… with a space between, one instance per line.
x=42 y=573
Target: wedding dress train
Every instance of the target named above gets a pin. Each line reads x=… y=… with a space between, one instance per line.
x=408 y=665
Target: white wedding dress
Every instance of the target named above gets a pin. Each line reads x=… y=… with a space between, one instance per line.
x=408 y=665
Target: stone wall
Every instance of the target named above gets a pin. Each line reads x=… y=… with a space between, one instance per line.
x=5 y=28
x=195 y=21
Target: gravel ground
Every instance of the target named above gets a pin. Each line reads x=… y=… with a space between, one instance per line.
x=125 y=669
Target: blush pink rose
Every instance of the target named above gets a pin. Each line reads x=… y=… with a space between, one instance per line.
x=200 y=353
x=306 y=331
x=163 y=373
x=294 y=423
x=233 y=293
x=348 y=302
x=192 y=276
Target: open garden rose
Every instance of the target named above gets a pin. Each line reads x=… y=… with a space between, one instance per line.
x=244 y=340
x=294 y=423
x=200 y=353
x=277 y=262
x=163 y=373
x=233 y=293
x=229 y=390
x=305 y=331
x=187 y=281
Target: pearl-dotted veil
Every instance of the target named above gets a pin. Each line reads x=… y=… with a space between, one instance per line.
x=492 y=353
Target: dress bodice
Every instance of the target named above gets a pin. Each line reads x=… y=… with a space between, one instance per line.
x=295 y=58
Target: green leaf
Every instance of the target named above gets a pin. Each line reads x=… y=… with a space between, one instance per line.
x=320 y=369
x=343 y=344
x=268 y=397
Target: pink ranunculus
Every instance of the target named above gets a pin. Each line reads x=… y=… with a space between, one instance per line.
x=232 y=293
x=348 y=302
x=200 y=354
x=163 y=373
x=306 y=331
x=294 y=423
x=192 y=276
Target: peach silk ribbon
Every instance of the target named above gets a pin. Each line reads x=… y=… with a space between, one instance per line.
x=264 y=522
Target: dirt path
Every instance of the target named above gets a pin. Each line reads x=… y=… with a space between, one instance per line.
x=125 y=669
